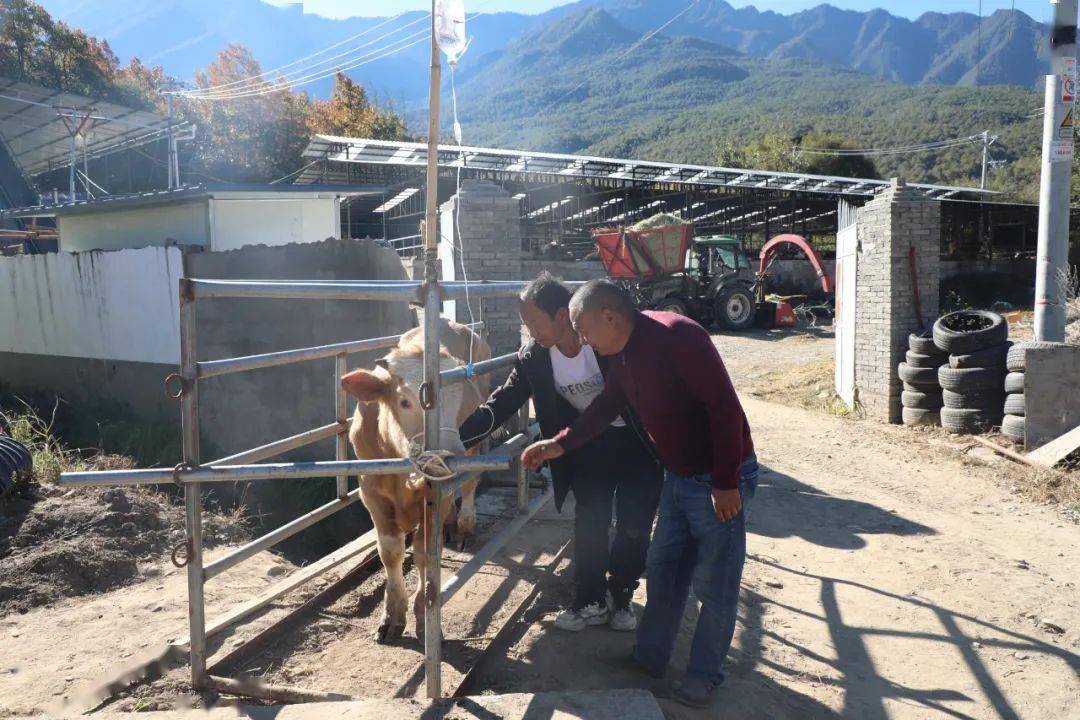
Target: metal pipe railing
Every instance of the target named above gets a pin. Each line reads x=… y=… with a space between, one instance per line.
x=461 y=374
x=274 y=471
x=274 y=537
x=306 y=290
x=284 y=445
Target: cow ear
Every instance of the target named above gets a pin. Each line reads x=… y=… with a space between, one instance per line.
x=364 y=385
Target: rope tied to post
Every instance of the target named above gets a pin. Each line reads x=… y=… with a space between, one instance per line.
x=430 y=464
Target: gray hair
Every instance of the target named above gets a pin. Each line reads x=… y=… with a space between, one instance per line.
x=601 y=294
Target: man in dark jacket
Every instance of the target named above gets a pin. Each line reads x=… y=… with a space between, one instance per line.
x=562 y=376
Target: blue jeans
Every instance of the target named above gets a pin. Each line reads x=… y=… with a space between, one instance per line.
x=691 y=546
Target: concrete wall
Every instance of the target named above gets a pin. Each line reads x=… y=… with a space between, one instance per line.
x=264 y=219
x=103 y=305
x=887 y=228
x=183 y=223
x=1051 y=389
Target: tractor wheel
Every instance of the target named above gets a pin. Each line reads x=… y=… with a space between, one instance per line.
x=673 y=305
x=735 y=308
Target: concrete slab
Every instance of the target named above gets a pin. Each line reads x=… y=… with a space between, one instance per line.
x=1051 y=394
x=598 y=705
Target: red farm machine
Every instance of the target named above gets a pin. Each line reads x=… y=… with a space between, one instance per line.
x=710 y=278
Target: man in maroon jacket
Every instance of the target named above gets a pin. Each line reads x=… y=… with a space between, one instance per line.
x=667 y=369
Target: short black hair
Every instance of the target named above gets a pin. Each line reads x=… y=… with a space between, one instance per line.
x=546 y=293
x=602 y=294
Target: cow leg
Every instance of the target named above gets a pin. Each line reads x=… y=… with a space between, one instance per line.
x=466 y=520
x=420 y=561
x=391 y=541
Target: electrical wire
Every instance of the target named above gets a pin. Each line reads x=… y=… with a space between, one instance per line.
x=245 y=85
x=900 y=150
x=278 y=69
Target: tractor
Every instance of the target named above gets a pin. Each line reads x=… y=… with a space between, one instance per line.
x=710 y=278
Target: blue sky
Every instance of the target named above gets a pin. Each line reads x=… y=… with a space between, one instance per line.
x=1038 y=9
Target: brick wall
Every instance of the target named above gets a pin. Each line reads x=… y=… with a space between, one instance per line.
x=888 y=227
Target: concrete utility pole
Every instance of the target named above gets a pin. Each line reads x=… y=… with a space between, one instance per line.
x=1057 y=159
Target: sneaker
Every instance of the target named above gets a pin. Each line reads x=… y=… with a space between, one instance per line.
x=623 y=619
x=575 y=620
x=694 y=692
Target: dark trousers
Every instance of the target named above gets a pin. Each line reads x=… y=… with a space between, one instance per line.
x=616 y=468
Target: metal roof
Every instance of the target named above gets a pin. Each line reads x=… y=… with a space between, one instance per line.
x=35 y=121
x=339 y=150
x=188 y=192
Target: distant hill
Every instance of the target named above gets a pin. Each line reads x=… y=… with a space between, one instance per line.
x=571 y=86
x=183 y=35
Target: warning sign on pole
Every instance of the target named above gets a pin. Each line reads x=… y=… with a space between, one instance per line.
x=1066 y=129
x=1061 y=150
x=1068 y=81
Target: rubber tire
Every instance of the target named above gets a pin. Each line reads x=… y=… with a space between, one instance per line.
x=1014 y=427
x=921 y=400
x=918 y=360
x=988 y=357
x=922 y=377
x=673 y=305
x=965 y=421
x=1017 y=358
x=908 y=387
x=1014 y=404
x=972 y=401
x=964 y=343
x=1014 y=382
x=971 y=380
x=721 y=304
x=916 y=416
x=923 y=343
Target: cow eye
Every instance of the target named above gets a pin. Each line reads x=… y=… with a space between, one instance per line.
x=405 y=404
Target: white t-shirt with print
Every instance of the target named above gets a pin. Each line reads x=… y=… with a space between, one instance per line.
x=578 y=379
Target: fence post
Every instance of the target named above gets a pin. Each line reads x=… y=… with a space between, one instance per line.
x=521 y=473
x=189 y=422
x=341 y=405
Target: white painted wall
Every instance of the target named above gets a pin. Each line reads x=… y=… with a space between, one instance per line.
x=240 y=219
x=181 y=223
x=119 y=305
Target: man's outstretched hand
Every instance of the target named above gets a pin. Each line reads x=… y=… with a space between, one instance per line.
x=540 y=452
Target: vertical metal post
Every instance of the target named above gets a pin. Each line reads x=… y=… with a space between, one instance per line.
x=430 y=395
x=985 y=149
x=189 y=421
x=1057 y=159
x=173 y=180
x=521 y=473
x=341 y=410
x=71 y=173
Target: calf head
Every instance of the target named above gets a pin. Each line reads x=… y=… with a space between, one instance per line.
x=395 y=383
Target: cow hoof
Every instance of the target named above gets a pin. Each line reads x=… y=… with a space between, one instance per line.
x=388 y=632
x=465 y=541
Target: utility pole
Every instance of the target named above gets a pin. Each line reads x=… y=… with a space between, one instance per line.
x=986 y=145
x=174 y=165
x=1056 y=175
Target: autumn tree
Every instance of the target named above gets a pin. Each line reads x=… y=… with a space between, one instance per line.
x=351 y=113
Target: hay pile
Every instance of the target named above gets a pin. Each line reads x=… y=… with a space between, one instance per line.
x=658 y=220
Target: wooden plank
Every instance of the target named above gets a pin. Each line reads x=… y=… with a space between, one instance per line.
x=1012 y=454
x=1056 y=450
x=365 y=542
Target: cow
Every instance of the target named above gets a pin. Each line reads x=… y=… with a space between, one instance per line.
x=387 y=419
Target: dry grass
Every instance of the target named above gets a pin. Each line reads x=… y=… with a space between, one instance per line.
x=1070 y=280
x=808 y=386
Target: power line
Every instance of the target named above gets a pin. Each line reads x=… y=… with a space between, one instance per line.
x=899 y=150
x=278 y=69
x=261 y=80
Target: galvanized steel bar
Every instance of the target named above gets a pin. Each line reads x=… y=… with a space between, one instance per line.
x=341 y=408
x=449 y=377
x=456 y=290
x=284 y=445
x=455 y=583
x=212 y=368
x=274 y=471
x=275 y=536
x=307 y=290
x=189 y=423
x=509 y=448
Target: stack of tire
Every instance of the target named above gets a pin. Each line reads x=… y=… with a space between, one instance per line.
x=973 y=381
x=921 y=398
x=1013 y=425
